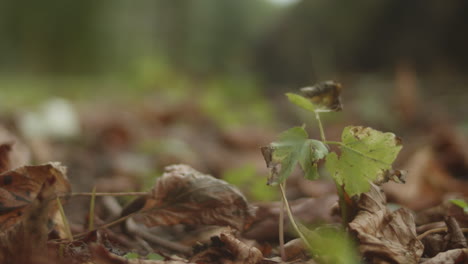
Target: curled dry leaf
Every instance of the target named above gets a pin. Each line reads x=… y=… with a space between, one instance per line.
x=183 y=195
x=226 y=248
x=101 y=255
x=454 y=256
x=27 y=202
x=325 y=95
x=19 y=188
x=385 y=235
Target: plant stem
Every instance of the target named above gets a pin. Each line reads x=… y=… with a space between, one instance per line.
x=108 y=194
x=291 y=218
x=66 y=226
x=91 y=210
x=322 y=133
x=281 y=225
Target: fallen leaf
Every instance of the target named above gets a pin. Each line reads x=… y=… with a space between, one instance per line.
x=20 y=187
x=183 y=195
x=454 y=256
x=438 y=168
x=28 y=196
x=456 y=237
x=13 y=153
x=101 y=255
x=227 y=249
x=385 y=235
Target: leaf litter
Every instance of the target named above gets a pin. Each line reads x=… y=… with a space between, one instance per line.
x=382 y=235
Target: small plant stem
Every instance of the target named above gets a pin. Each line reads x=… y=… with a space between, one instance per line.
x=118 y=221
x=66 y=226
x=291 y=218
x=108 y=194
x=281 y=225
x=91 y=210
x=322 y=133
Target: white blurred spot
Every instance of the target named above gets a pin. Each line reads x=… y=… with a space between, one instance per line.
x=56 y=118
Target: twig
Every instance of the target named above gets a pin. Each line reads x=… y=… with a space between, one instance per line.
x=108 y=194
x=139 y=231
x=438 y=230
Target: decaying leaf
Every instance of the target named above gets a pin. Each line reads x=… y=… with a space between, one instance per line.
x=292 y=147
x=183 y=195
x=12 y=152
x=385 y=235
x=434 y=171
x=102 y=256
x=20 y=187
x=325 y=95
x=28 y=196
x=454 y=256
x=366 y=155
x=226 y=248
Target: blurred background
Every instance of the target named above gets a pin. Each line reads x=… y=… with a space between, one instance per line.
x=123 y=88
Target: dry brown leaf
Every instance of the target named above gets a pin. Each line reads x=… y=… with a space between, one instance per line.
x=185 y=196
x=19 y=189
x=227 y=249
x=434 y=171
x=454 y=256
x=102 y=256
x=12 y=152
x=308 y=211
x=385 y=235
x=25 y=225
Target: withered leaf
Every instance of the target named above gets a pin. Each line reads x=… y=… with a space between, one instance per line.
x=12 y=152
x=183 y=195
x=27 y=202
x=325 y=95
x=385 y=235
x=20 y=187
x=226 y=248
x=454 y=256
x=100 y=255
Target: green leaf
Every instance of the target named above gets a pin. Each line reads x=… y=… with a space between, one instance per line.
x=293 y=147
x=332 y=246
x=460 y=203
x=301 y=101
x=154 y=256
x=365 y=156
x=131 y=255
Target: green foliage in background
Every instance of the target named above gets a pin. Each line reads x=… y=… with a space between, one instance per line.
x=247 y=179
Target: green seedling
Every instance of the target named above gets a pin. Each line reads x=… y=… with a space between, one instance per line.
x=366 y=155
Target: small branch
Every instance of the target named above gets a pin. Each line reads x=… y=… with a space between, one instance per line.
x=291 y=218
x=322 y=133
x=115 y=222
x=143 y=233
x=108 y=194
